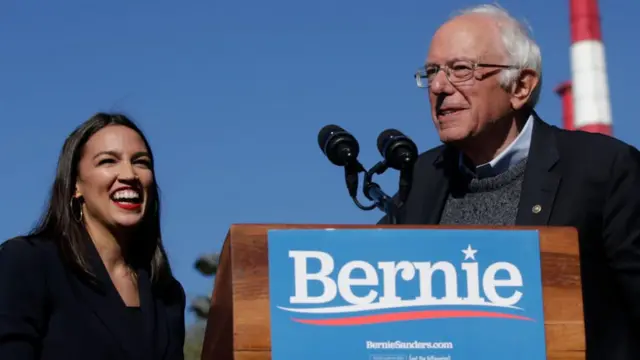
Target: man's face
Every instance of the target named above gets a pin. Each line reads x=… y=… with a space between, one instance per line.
x=462 y=110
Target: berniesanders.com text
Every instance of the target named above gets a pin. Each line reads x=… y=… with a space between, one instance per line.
x=393 y=345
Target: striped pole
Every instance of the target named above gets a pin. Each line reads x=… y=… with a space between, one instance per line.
x=592 y=111
x=565 y=92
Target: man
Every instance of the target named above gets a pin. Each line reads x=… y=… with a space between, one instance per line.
x=501 y=164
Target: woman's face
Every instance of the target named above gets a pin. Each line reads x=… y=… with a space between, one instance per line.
x=114 y=178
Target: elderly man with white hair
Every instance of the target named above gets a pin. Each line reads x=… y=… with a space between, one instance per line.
x=501 y=164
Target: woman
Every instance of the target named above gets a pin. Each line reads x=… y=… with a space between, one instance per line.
x=92 y=281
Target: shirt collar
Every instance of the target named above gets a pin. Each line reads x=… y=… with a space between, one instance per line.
x=517 y=151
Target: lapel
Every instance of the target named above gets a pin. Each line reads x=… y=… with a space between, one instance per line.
x=158 y=322
x=155 y=320
x=436 y=188
x=540 y=182
x=105 y=303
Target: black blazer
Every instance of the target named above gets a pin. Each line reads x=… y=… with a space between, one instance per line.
x=584 y=180
x=48 y=312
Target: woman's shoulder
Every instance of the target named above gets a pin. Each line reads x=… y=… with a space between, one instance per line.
x=26 y=250
x=27 y=243
x=24 y=268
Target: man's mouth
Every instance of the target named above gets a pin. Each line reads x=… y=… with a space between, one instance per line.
x=450 y=111
x=127 y=198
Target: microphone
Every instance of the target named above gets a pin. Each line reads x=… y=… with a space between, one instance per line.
x=400 y=153
x=397 y=149
x=338 y=145
x=342 y=149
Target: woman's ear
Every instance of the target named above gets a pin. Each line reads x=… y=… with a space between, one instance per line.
x=77 y=194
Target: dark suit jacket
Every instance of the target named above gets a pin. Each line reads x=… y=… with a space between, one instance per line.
x=584 y=180
x=48 y=312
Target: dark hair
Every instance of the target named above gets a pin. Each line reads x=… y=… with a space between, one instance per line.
x=59 y=222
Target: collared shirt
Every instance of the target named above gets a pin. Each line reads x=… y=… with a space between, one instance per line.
x=517 y=151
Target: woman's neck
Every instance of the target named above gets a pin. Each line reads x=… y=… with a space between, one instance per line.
x=109 y=246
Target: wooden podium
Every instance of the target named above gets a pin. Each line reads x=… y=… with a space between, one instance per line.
x=238 y=326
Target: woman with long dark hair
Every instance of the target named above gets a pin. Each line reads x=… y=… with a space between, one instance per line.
x=92 y=280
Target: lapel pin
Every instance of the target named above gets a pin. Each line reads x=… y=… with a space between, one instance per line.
x=536 y=209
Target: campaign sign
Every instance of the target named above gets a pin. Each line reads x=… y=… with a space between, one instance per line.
x=386 y=294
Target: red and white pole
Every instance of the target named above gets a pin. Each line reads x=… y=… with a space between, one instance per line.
x=566 y=94
x=591 y=110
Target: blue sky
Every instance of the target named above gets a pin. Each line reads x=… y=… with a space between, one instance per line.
x=232 y=95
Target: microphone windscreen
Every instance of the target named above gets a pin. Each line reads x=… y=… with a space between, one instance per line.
x=325 y=133
x=384 y=137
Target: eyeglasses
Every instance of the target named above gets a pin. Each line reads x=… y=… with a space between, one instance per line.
x=457 y=71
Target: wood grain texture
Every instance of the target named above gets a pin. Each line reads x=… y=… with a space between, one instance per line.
x=239 y=321
x=218 y=341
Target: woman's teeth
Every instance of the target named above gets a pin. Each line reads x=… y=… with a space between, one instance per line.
x=127 y=195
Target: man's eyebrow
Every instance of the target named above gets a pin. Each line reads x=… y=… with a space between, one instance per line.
x=451 y=60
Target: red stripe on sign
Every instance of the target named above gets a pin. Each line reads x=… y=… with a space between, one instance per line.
x=408 y=316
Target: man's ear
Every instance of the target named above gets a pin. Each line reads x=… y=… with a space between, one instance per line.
x=523 y=87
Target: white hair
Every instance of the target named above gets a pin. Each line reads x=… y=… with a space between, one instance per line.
x=522 y=51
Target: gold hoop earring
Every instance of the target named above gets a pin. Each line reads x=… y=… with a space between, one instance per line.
x=73 y=211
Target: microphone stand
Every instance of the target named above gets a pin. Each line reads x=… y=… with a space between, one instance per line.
x=373 y=192
x=405 y=184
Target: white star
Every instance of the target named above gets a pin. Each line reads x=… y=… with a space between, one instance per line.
x=469 y=253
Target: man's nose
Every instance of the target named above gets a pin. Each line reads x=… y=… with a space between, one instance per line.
x=440 y=83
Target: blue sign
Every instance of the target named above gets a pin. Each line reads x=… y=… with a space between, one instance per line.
x=386 y=294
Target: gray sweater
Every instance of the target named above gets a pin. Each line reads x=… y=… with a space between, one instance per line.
x=485 y=201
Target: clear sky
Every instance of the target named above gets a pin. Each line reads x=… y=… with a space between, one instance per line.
x=232 y=95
